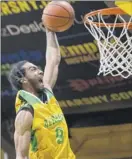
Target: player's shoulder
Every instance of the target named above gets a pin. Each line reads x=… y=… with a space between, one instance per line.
x=23 y=120
x=26 y=108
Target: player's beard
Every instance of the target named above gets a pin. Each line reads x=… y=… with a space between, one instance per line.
x=37 y=85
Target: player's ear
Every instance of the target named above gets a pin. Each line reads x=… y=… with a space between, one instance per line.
x=23 y=80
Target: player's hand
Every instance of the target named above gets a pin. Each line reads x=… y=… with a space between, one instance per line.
x=46 y=29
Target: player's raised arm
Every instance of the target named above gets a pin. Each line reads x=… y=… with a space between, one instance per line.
x=22 y=134
x=52 y=60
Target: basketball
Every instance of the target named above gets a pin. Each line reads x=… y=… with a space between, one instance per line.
x=58 y=16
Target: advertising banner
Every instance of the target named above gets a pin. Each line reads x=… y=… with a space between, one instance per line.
x=78 y=85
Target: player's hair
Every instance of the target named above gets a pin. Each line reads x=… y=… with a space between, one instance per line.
x=16 y=74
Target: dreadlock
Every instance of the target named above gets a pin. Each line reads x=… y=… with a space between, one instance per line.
x=16 y=74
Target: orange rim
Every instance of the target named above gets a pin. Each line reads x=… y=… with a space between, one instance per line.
x=108 y=11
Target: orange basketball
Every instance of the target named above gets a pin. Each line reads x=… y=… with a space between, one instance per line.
x=58 y=16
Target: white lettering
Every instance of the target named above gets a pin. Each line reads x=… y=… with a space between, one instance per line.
x=33 y=28
x=13 y=30
x=41 y=26
x=25 y=29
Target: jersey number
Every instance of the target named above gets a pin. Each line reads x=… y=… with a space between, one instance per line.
x=59 y=135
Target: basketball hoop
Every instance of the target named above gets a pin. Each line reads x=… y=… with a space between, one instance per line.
x=115 y=50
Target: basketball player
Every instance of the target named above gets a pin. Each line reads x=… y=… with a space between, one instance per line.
x=40 y=127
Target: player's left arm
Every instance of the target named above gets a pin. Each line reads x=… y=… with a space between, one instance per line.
x=53 y=58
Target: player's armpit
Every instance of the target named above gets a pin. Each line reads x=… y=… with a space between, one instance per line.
x=22 y=133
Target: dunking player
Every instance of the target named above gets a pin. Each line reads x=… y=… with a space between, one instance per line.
x=40 y=127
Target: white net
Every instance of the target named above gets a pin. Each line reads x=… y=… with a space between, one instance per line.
x=115 y=51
